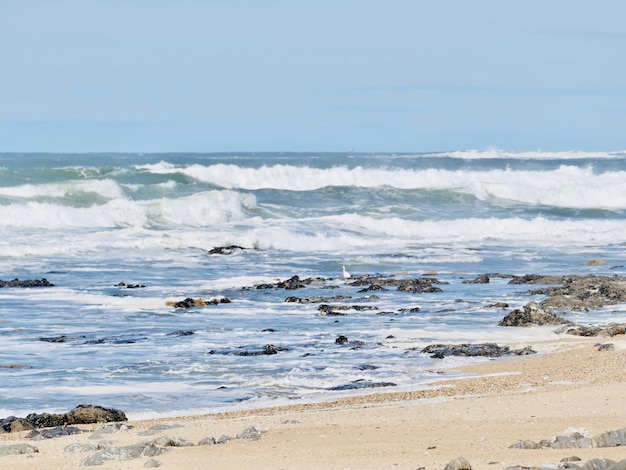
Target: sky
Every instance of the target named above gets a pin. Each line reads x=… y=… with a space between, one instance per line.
x=312 y=75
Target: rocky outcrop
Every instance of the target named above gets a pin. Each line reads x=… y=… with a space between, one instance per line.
x=584 y=293
x=43 y=282
x=414 y=285
x=532 y=314
x=439 y=351
x=189 y=302
x=82 y=414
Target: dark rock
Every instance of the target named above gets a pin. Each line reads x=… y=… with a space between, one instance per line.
x=226 y=250
x=341 y=339
x=439 y=351
x=372 y=287
x=190 y=303
x=13 y=424
x=498 y=305
x=537 y=279
x=409 y=310
x=268 y=350
x=605 y=347
x=82 y=414
x=182 y=333
x=43 y=282
x=484 y=279
x=532 y=314
x=55 y=339
x=335 y=310
x=129 y=286
x=361 y=384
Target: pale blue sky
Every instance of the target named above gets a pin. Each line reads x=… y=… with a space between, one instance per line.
x=262 y=75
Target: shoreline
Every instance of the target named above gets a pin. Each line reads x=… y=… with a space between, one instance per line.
x=569 y=384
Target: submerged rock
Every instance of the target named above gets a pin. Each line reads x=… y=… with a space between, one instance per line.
x=43 y=282
x=361 y=384
x=439 y=351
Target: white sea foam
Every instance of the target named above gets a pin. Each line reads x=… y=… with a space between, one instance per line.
x=566 y=186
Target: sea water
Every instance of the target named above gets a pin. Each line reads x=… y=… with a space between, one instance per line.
x=88 y=222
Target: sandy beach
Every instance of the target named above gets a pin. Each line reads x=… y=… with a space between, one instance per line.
x=570 y=384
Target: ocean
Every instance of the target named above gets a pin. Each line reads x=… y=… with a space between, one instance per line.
x=124 y=237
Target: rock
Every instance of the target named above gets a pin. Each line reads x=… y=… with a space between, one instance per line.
x=13 y=424
x=268 y=350
x=611 y=439
x=190 y=303
x=43 y=282
x=167 y=441
x=609 y=330
x=51 y=433
x=484 y=279
x=439 y=351
x=207 y=441
x=226 y=250
x=17 y=449
x=129 y=286
x=598 y=464
x=250 y=433
x=621 y=465
x=341 y=339
x=460 y=463
x=532 y=314
x=152 y=463
x=361 y=384
x=223 y=439
x=182 y=333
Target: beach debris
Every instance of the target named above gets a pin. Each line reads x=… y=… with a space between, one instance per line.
x=18 y=449
x=43 y=282
x=532 y=314
x=439 y=351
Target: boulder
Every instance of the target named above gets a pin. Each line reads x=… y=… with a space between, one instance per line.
x=532 y=314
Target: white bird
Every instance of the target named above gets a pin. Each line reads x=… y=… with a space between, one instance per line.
x=346 y=274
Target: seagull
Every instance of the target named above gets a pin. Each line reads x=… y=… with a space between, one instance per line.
x=346 y=274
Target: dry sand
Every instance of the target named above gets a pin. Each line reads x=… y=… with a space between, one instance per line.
x=571 y=384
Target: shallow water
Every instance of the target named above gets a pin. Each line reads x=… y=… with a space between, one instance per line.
x=89 y=222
